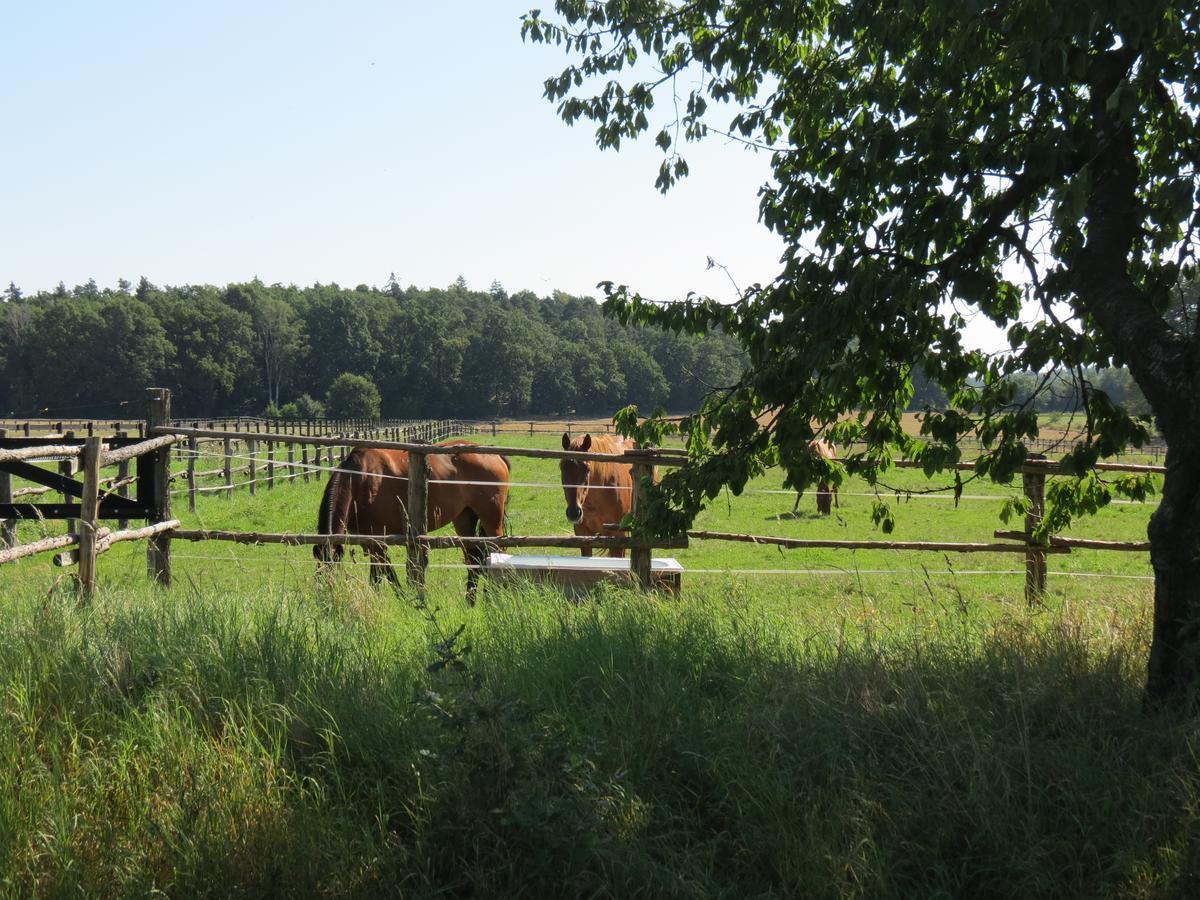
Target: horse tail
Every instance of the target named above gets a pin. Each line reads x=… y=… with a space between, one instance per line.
x=335 y=509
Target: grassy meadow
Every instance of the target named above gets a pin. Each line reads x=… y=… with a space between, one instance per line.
x=835 y=723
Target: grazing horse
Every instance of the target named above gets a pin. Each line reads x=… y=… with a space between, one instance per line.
x=826 y=493
x=368 y=494
x=598 y=493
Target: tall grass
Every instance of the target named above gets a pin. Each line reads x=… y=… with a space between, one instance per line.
x=342 y=741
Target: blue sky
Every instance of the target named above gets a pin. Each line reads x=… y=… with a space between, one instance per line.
x=307 y=141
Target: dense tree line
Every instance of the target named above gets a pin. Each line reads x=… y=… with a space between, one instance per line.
x=246 y=347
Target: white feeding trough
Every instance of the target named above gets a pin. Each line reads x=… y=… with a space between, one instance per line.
x=580 y=571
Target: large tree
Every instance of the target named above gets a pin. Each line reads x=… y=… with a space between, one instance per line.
x=1028 y=160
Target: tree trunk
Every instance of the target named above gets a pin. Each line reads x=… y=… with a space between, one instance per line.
x=1174 y=668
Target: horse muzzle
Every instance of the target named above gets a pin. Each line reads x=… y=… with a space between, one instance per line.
x=574 y=514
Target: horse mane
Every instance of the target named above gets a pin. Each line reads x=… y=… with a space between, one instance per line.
x=325 y=513
x=608 y=472
x=335 y=508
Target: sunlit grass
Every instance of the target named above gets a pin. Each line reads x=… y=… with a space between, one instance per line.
x=255 y=731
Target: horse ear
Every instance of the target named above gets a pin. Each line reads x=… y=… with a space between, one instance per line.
x=566 y=441
x=586 y=443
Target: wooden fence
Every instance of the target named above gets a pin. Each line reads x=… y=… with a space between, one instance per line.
x=1034 y=475
x=162 y=432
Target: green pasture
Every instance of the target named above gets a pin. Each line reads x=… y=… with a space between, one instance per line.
x=764 y=509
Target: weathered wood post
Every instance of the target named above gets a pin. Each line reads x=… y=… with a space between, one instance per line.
x=291 y=461
x=1034 y=484
x=89 y=514
x=193 y=452
x=158 y=549
x=66 y=468
x=8 y=527
x=122 y=489
x=227 y=467
x=270 y=465
x=639 y=557
x=417 y=519
x=251 y=450
x=304 y=462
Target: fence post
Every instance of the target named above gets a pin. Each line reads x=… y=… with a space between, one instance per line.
x=123 y=490
x=270 y=465
x=193 y=451
x=228 y=468
x=251 y=450
x=639 y=557
x=304 y=462
x=158 y=550
x=1034 y=484
x=89 y=509
x=66 y=468
x=417 y=519
x=8 y=527
x=291 y=461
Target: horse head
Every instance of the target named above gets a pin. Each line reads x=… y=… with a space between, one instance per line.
x=575 y=474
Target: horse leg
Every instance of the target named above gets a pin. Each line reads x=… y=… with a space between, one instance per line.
x=579 y=532
x=824 y=499
x=617 y=552
x=381 y=565
x=468 y=525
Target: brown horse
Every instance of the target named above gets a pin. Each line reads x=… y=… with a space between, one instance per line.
x=368 y=493
x=598 y=493
x=826 y=492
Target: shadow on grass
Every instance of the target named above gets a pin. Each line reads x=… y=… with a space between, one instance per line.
x=618 y=748
x=796 y=514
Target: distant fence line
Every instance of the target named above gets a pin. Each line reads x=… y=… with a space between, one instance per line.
x=391 y=429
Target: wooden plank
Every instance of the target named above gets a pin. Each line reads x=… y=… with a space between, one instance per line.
x=39 y=451
x=1084 y=543
x=122 y=486
x=8 y=527
x=108 y=510
x=88 y=515
x=658 y=457
x=70 y=487
x=50 y=543
x=798 y=544
x=112 y=457
x=106 y=539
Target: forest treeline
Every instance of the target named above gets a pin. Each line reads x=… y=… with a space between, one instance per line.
x=253 y=348
x=244 y=348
